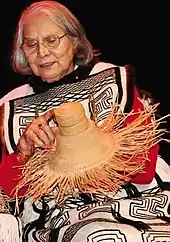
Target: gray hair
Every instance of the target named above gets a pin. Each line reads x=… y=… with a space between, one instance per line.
x=65 y=20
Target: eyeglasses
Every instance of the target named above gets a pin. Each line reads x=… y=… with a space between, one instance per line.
x=50 y=42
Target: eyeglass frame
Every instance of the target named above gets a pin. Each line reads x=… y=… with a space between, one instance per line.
x=46 y=45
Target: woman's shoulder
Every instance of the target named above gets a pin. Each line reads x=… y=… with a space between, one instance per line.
x=101 y=66
x=17 y=92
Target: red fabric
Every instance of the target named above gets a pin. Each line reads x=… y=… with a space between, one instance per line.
x=10 y=175
x=149 y=171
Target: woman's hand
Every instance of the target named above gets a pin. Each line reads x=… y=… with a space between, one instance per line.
x=37 y=134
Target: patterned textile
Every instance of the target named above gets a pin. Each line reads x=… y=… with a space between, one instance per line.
x=105 y=86
x=137 y=213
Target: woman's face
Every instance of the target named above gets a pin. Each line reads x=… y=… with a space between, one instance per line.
x=45 y=58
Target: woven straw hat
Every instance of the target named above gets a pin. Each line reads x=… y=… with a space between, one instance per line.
x=87 y=157
x=80 y=144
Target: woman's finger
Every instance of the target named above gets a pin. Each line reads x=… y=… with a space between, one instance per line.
x=48 y=115
x=25 y=146
x=33 y=136
x=41 y=134
x=48 y=132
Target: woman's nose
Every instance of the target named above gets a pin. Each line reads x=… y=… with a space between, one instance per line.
x=42 y=50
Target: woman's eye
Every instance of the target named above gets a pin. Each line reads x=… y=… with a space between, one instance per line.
x=31 y=43
x=51 y=39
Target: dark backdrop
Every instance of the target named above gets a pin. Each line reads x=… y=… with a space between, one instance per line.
x=125 y=33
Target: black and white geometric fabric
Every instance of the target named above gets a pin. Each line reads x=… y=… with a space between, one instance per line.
x=137 y=213
x=105 y=86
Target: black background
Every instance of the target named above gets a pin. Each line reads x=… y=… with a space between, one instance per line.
x=125 y=32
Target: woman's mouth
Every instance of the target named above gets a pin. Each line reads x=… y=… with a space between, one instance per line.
x=47 y=64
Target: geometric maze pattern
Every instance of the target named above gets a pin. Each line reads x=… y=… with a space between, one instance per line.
x=156 y=236
x=106 y=235
x=148 y=208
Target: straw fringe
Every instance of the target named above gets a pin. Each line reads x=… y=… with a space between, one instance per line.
x=4 y=206
x=134 y=141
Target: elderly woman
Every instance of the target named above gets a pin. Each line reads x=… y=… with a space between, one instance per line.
x=51 y=47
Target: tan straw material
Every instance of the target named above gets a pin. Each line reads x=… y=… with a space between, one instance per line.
x=91 y=158
x=4 y=208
